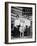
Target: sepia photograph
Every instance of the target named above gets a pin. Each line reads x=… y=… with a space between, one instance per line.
x=20 y=22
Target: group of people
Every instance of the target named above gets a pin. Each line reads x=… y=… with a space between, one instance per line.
x=21 y=26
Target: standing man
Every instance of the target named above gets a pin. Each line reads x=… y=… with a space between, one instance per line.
x=16 y=27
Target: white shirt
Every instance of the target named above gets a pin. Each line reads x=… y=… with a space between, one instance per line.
x=17 y=22
x=27 y=22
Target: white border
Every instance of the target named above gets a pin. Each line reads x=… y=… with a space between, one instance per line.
x=9 y=23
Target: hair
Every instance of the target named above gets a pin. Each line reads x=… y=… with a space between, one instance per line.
x=17 y=16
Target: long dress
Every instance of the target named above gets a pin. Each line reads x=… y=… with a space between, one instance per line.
x=22 y=26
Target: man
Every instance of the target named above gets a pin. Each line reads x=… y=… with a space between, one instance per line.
x=27 y=30
x=16 y=27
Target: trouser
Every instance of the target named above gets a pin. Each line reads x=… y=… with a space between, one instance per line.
x=21 y=34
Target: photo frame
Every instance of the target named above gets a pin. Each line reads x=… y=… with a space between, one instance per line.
x=20 y=22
